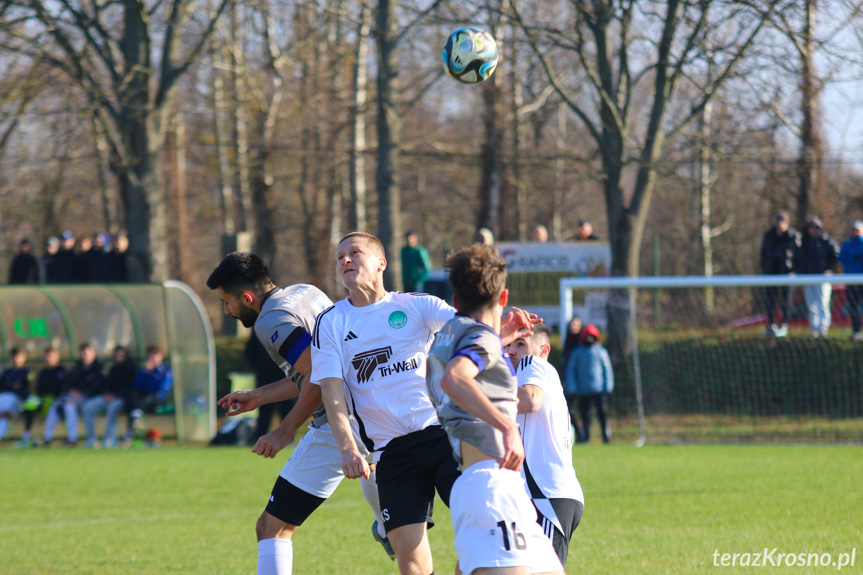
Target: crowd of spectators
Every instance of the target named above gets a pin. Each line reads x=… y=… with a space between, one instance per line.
x=100 y=258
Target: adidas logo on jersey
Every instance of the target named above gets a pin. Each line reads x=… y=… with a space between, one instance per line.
x=351 y=335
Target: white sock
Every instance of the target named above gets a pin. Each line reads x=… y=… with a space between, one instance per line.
x=4 y=425
x=275 y=557
x=370 y=492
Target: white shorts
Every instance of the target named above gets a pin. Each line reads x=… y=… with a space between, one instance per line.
x=10 y=402
x=495 y=522
x=315 y=466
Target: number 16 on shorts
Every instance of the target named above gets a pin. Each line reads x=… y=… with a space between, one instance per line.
x=511 y=536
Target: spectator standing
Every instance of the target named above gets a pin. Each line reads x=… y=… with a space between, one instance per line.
x=585 y=232
x=539 y=234
x=62 y=264
x=780 y=249
x=589 y=375
x=81 y=268
x=266 y=371
x=416 y=264
x=86 y=380
x=46 y=262
x=97 y=260
x=14 y=389
x=49 y=384
x=24 y=268
x=851 y=256
x=118 y=387
x=570 y=342
x=819 y=254
x=119 y=274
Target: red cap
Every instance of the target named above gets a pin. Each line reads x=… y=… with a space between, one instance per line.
x=589 y=329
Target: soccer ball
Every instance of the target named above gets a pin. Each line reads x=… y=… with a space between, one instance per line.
x=469 y=55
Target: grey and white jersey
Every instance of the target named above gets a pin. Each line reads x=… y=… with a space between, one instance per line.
x=464 y=336
x=285 y=325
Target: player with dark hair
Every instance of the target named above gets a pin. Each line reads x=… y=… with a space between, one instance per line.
x=370 y=350
x=546 y=432
x=472 y=384
x=283 y=321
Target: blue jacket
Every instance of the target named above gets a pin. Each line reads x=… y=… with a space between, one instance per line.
x=851 y=255
x=588 y=371
x=157 y=381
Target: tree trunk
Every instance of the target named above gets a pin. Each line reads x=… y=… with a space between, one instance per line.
x=387 y=180
x=357 y=119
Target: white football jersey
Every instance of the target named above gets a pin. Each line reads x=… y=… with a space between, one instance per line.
x=380 y=352
x=547 y=435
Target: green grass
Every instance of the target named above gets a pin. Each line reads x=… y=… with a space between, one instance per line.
x=657 y=509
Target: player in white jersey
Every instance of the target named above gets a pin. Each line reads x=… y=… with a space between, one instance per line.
x=546 y=432
x=283 y=321
x=374 y=346
x=472 y=384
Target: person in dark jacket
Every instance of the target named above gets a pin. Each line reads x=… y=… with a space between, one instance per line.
x=14 y=389
x=24 y=268
x=87 y=379
x=119 y=273
x=590 y=376
x=779 y=252
x=61 y=268
x=118 y=387
x=49 y=384
x=819 y=254
x=46 y=262
x=98 y=260
x=851 y=256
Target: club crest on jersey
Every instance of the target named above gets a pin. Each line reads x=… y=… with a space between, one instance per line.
x=398 y=319
x=365 y=362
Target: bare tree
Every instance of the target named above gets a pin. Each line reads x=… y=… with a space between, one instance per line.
x=126 y=58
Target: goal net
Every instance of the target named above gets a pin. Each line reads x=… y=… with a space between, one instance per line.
x=697 y=360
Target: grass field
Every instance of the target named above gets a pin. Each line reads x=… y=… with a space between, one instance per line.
x=656 y=509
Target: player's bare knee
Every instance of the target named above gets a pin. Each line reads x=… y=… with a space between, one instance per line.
x=268 y=527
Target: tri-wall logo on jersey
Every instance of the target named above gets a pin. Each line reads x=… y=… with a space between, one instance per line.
x=367 y=361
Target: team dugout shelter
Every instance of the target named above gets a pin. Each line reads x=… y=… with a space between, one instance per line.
x=169 y=315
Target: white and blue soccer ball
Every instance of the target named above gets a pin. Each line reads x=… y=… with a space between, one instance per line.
x=469 y=55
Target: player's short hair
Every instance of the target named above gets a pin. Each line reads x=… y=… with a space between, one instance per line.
x=376 y=245
x=541 y=335
x=239 y=272
x=154 y=350
x=477 y=275
x=16 y=351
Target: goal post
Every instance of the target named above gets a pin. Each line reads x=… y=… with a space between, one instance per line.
x=700 y=361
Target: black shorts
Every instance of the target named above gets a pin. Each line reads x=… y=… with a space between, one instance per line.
x=411 y=467
x=568 y=513
x=291 y=504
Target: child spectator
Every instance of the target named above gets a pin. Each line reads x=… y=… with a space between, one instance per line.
x=14 y=389
x=589 y=375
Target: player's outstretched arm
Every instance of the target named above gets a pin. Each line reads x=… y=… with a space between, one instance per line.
x=458 y=382
x=270 y=444
x=354 y=465
x=251 y=399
